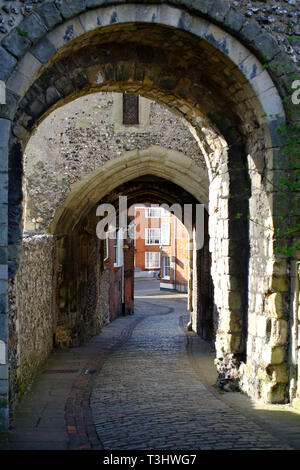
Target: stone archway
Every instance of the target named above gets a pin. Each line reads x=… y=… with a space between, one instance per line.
x=176 y=180
x=222 y=89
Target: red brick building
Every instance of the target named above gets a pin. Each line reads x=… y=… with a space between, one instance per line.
x=161 y=246
x=120 y=259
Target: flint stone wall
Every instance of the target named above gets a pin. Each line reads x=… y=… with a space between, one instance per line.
x=280 y=18
x=80 y=137
x=31 y=315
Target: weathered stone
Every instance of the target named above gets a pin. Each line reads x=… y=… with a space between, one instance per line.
x=279 y=374
x=273 y=393
x=296 y=403
x=279 y=332
x=8 y=63
x=3 y=320
x=202 y=5
x=218 y=9
x=3 y=384
x=50 y=14
x=279 y=284
x=280 y=65
x=234 y=300
x=70 y=8
x=3 y=254
x=3 y=187
x=16 y=42
x=14 y=252
x=3 y=372
x=234 y=20
x=43 y=50
x=64 y=85
x=273 y=355
x=265 y=47
x=3 y=234
x=274 y=305
x=32 y=28
x=250 y=31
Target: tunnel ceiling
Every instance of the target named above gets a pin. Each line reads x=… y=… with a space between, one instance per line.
x=165 y=64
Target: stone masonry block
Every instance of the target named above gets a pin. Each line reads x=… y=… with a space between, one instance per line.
x=218 y=9
x=43 y=50
x=279 y=373
x=250 y=31
x=3 y=235
x=17 y=83
x=3 y=214
x=3 y=272
x=65 y=32
x=33 y=27
x=230 y=322
x=3 y=188
x=279 y=284
x=3 y=326
x=7 y=62
x=3 y=287
x=4 y=134
x=49 y=14
x=273 y=393
x=279 y=332
x=273 y=355
x=70 y=8
x=16 y=42
x=280 y=65
x=266 y=47
x=234 y=20
x=3 y=372
x=3 y=254
x=274 y=305
x=3 y=388
x=234 y=300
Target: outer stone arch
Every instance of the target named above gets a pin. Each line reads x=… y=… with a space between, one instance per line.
x=25 y=60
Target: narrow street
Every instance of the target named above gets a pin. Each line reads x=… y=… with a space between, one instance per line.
x=144 y=383
x=148 y=395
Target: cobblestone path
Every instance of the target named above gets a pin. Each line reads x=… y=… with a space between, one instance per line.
x=148 y=396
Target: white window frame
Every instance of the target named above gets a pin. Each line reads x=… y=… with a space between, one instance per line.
x=147 y=260
x=167 y=277
x=150 y=212
x=149 y=237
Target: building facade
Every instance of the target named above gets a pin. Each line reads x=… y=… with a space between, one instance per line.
x=161 y=247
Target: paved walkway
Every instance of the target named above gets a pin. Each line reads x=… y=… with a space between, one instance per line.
x=144 y=383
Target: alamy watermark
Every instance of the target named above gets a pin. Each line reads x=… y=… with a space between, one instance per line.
x=296 y=94
x=130 y=224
